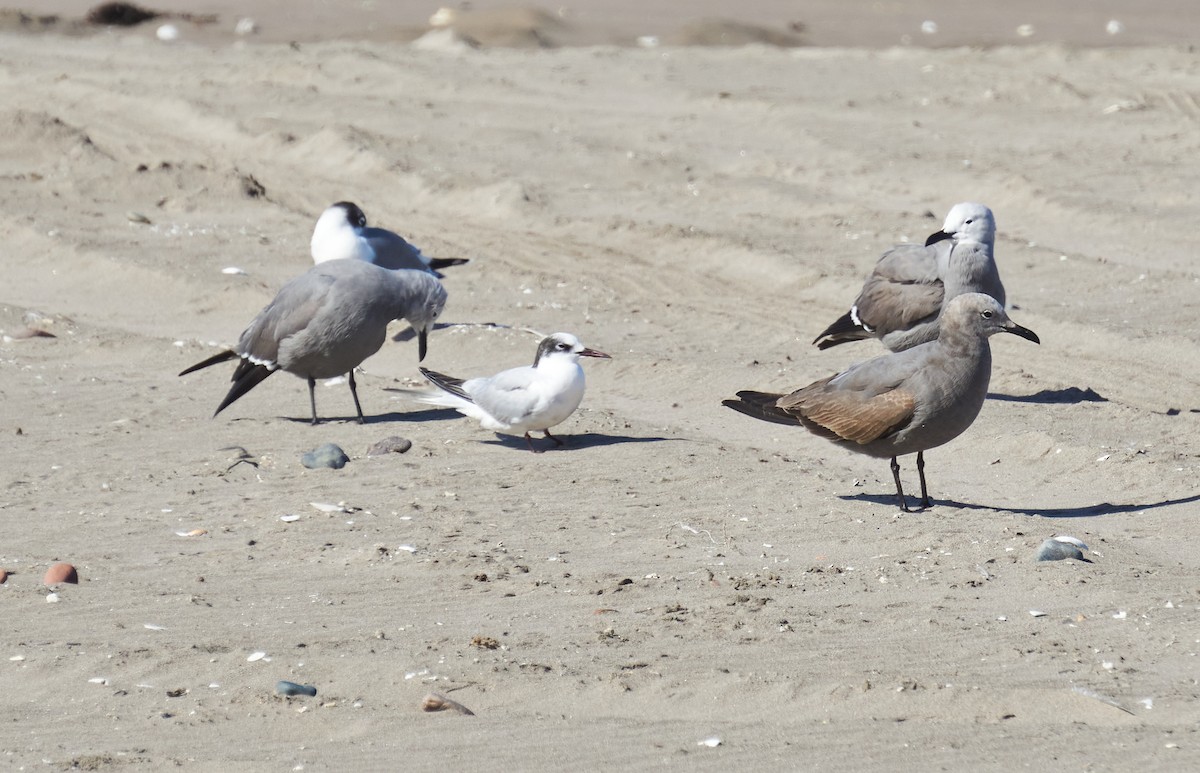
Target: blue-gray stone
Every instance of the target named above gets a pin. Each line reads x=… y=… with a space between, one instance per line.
x=328 y=455
x=291 y=688
x=1054 y=550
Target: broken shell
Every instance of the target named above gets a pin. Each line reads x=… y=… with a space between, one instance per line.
x=289 y=518
x=435 y=702
x=256 y=656
x=60 y=573
x=192 y=533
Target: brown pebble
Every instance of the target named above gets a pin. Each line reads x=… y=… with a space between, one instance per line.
x=390 y=445
x=60 y=573
x=435 y=702
x=3 y=576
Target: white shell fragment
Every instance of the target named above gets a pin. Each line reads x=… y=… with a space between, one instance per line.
x=256 y=656
x=1060 y=547
x=289 y=518
x=443 y=17
x=154 y=627
x=328 y=508
x=232 y=270
x=167 y=32
x=711 y=742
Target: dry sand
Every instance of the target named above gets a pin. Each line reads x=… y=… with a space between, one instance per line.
x=678 y=572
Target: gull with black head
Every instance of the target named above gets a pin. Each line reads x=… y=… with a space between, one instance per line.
x=905 y=402
x=342 y=233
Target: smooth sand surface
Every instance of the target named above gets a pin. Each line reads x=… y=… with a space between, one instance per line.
x=678 y=572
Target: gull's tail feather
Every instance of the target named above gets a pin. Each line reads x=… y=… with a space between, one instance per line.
x=216 y=358
x=760 y=405
x=844 y=330
x=246 y=377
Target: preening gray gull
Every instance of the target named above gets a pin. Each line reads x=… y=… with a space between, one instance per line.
x=520 y=400
x=901 y=299
x=325 y=322
x=905 y=402
x=342 y=232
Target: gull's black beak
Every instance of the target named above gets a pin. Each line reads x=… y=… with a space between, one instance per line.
x=1024 y=332
x=594 y=353
x=938 y=236
x=422 y=344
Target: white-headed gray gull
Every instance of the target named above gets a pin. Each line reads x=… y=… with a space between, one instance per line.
x=902 y=298
x=905 y=402
x=342 y=232
x=325 y=322
x=520 y=400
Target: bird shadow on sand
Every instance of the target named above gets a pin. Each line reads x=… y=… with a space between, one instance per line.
x=1068 y=396
x=571 y=442
x=406 y=417
x=1085 y=511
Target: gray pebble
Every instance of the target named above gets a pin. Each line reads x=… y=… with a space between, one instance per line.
x=328 y=455
x=1056 y=549
x=291 y=688
x=390 y=445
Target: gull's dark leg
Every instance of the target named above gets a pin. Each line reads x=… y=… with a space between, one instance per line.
x=899 y=488
x=557 y=442
x=354 y=394
x=312 y=398
x=529 y=440
x=921 y=471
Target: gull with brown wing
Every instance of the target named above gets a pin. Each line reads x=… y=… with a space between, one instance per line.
x=900 y=302
x=901 y=403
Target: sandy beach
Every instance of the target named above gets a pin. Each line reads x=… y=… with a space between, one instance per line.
x=679 y=587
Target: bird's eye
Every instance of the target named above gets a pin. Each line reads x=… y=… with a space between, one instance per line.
x=969 y=222
x=562 y=347
x=985 y=314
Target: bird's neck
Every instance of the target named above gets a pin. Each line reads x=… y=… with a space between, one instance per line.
x=337 y=240
x=559 y=368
